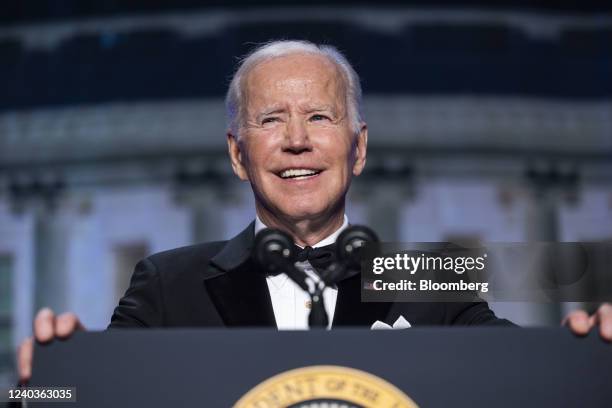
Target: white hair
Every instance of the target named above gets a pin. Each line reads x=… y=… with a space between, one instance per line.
x=274 y=49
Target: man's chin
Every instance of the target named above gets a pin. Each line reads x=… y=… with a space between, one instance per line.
x=297 y=216
x=299 y=209
x=298 y=213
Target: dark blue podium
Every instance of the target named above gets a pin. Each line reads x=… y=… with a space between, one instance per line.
x=434 y=367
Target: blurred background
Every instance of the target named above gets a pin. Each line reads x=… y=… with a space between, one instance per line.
x=489 y=121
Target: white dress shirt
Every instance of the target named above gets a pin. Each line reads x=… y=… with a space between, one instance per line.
x=291 y=304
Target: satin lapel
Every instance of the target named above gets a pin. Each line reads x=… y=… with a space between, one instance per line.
x=236 y=287
x=351 y=311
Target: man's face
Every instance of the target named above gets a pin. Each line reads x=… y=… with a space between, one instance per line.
x=297 y=147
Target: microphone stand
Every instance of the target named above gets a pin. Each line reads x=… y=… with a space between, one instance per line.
x=274 y=250
x=317 y=317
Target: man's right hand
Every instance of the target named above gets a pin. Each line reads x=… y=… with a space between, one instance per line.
x=47 y=327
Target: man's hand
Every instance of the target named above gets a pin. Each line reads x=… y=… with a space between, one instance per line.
x=581 y=323
x=47 y=326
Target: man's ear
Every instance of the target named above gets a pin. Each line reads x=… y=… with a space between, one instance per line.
x=361 y=147
x=236 y=157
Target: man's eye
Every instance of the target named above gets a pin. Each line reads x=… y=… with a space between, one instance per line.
x=269 y=120
x=318 y=117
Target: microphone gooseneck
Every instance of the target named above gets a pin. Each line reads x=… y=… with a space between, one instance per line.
x=275 y=252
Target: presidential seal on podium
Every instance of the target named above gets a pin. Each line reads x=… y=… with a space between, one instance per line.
x=325 y=387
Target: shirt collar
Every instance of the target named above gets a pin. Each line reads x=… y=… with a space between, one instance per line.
x=330 y=239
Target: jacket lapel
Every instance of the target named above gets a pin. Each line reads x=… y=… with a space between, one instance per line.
x=351 y=311
x=236 y=287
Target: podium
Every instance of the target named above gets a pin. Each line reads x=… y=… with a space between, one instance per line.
x=432 y=367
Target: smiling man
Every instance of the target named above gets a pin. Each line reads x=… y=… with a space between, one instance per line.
x=297 y=136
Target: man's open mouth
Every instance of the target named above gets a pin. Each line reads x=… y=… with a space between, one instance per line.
x=298 y=174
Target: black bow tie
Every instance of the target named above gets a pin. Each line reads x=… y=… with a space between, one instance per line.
x=320 y=258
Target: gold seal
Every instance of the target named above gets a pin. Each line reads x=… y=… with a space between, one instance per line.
x=325 y=386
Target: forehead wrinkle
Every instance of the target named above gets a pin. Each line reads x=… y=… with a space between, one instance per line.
x=332 y=82
x=278 y=108
x=332 y=88
x=310 y=108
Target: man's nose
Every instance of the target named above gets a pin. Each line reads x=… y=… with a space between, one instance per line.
x=297 y=139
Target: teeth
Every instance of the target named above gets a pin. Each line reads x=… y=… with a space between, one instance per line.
x=297 y=173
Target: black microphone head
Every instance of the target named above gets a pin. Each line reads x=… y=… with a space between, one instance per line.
x=351 y=240
x=272 y=245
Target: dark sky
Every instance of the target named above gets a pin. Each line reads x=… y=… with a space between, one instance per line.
x=15 y=12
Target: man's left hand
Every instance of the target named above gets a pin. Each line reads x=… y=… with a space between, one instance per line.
x=581 y=323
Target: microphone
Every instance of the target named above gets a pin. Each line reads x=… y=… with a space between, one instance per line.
x=275 y=252
x=351 y=240
x=348 y=251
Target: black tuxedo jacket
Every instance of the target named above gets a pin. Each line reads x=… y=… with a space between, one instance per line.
x=217 y=284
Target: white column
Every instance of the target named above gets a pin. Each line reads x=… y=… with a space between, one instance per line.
x=542 y=224
x=51 y=244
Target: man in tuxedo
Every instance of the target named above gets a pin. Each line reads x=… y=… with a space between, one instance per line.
x=297 y=135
